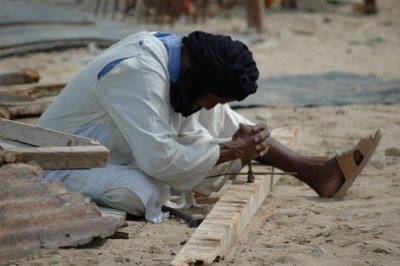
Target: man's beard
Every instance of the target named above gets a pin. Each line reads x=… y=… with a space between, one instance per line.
x=185 y=93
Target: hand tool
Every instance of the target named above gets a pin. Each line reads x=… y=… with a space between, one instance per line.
x=193 y=220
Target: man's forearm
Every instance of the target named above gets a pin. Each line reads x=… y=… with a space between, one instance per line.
x=228 y=151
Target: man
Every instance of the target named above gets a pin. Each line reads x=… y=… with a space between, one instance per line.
x=157 y=101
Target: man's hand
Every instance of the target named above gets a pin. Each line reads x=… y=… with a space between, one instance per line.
x=248 y=142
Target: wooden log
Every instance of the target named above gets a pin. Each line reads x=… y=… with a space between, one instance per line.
x=77 y=157
x=27 y=108
x=24 y=75
x=33 y=91
x=231 y=214
x=39 y=136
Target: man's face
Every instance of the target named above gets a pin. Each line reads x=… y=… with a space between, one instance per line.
x=208 y=101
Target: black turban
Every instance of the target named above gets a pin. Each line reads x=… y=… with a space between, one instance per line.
x=225 y=67
x=219 y=65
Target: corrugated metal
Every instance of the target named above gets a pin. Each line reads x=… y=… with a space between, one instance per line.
x=44 y=215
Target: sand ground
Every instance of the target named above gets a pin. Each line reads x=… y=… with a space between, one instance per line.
x=293 y=226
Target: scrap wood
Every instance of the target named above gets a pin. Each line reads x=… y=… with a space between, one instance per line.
x=44 y=215
x=39 y=136
x=76 y=157
x=231 y=214
x=24 y=75
x=25 y=108
x=27 y=100
x=50 y=149
x=33 y=91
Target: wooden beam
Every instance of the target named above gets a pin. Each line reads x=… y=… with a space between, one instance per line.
x=33 y=91
x=27 y=99
x=39 y=136
x=26 y=108
x=50 y=149
x=77 y=157
x=231 y=214
x=24 y=75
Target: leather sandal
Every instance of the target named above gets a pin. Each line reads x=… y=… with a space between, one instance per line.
x=366 y=146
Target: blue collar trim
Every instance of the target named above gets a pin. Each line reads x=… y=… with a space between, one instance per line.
x=173 y=44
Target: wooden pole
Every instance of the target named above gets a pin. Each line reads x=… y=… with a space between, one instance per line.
x=255 y=14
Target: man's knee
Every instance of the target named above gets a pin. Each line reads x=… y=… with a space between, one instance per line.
x=123 y=199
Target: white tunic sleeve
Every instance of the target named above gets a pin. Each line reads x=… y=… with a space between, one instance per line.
x=136 y=96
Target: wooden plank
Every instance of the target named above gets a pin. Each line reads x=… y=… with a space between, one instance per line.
x=24 y=75
x=75 y=157
x=27 y=99
x=33 y=91
x=232 y=213
x=39 y=136
x=50 y=149
x=26 y=108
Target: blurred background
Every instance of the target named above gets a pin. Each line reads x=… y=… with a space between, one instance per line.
x=309 y=52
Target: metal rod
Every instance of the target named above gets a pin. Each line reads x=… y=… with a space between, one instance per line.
x=255 y=173
x=250 y=174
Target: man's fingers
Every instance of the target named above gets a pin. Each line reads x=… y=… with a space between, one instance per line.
x=262 y=136
x=260 y=126
x=263 y=147
x=263 y=152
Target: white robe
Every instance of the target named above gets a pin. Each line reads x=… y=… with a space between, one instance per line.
x=128 y=110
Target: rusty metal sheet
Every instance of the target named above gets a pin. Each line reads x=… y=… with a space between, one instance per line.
x=44 y=215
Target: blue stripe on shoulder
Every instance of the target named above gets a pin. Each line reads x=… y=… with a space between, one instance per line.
x=107 y=68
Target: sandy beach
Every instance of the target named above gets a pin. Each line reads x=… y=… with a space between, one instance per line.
x=293 y=226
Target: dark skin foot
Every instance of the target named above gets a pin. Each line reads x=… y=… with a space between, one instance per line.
x=328 y=186
x=324 y=176
x=254 y=142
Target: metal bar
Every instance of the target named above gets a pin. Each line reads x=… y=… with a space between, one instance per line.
x=255 y=173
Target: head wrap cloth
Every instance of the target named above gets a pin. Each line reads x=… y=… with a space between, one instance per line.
x=219 y=65
x=222 y=66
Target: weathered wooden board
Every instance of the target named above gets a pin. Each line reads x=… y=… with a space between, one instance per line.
x=231 y=214
x=25 y=108
x=24 y=75
x=50 y=149
x=76 y=157
x=33 y=91
x=38 y=136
